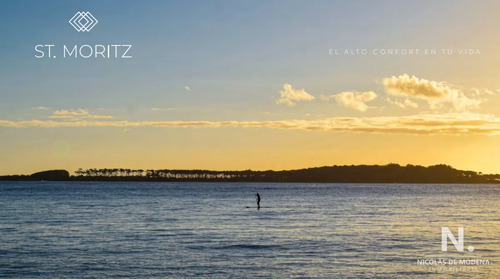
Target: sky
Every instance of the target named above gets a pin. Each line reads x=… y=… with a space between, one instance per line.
x=251 y=85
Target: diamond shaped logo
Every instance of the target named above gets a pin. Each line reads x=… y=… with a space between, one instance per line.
x=83 y=21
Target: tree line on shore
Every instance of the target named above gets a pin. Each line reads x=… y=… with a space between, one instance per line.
x=391 y=173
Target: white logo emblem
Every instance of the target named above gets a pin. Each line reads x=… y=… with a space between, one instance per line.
x=83 y=21
x=459 y=244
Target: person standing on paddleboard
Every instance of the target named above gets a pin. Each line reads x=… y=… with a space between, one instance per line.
x=258 y=200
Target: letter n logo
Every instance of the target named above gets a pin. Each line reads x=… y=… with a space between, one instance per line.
x=446 y=233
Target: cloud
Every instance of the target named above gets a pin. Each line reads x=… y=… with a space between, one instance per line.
x=40 y=108
x=354 y=100
x=405 y=85
x=421 y=124
x=482 y=92
x=288 y=94
x=94 y=116
x=77 y=114
x=407 y=103
x=166 y=109
x=436 y=94
x=188 y=89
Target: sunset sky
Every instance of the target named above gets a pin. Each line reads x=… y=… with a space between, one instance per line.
x=251 y=85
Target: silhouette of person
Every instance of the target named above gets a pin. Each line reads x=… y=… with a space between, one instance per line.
x=258 y=200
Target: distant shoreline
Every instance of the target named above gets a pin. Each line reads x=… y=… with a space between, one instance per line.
x=256 y=182
x=391 y=173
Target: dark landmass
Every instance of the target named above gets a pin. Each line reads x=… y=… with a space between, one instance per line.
x=50 y=175
x=391 y=173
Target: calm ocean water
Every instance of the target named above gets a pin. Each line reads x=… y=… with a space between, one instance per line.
x=178 y=230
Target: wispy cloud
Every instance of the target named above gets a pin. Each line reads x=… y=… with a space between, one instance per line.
x=436 y=94
x=40 y=108
x=421 y=124
x=165 y=109
x=289 y=94
x=406 y=103
x=77 y=114
x=354 y=100
x=482 y=92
